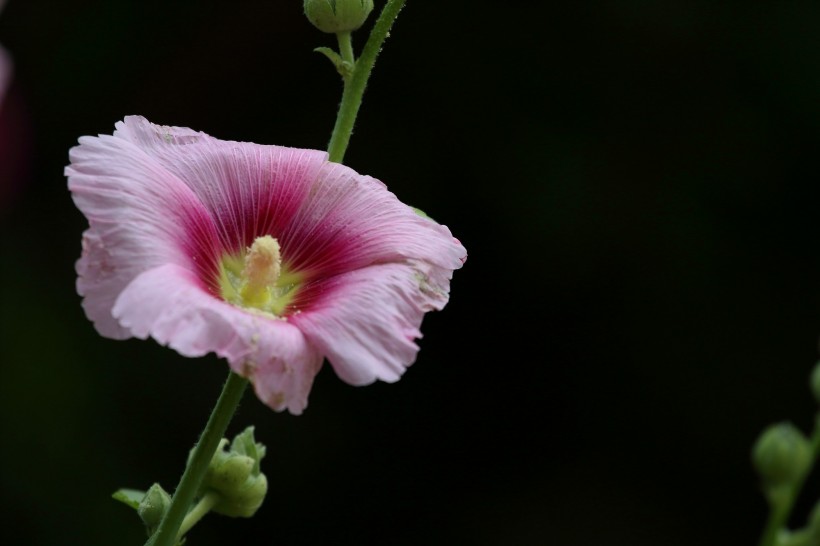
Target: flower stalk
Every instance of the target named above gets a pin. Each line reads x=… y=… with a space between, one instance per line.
x=175 y=523
x=355 y=84
x=201 y=456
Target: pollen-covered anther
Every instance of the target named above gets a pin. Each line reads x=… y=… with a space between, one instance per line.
x=263 y=265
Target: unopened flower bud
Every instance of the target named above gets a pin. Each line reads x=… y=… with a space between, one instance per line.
x=782 y=455
x=235 y=476
x=153 y=506
x=334 y=16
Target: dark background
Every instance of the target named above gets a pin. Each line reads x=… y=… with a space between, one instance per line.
x=636 y=183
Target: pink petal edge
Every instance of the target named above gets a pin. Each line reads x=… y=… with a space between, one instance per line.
x=367 y=320
x=166 y=304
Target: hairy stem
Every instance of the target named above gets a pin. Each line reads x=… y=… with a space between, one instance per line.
x=354 y=86
x=201 y=456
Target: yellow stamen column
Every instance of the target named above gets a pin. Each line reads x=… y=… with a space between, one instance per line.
x=263 y=265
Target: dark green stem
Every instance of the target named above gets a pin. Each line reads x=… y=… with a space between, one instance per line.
x=201 y=456
x=355 y=85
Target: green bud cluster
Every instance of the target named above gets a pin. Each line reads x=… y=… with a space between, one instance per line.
x=334 y=16
x=235 y=476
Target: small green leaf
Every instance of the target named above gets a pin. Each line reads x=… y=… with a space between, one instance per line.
x=334 y=57
x=131 y=497
x=344 y=68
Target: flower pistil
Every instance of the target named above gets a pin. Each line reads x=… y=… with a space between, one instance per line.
x=257 y=280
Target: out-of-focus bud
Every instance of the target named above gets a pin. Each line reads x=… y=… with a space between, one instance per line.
x=334 y=16
x=782 y=455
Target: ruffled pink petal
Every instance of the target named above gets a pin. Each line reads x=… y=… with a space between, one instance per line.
x=100 y=282
x=328 y=218
x=352 y=221
x=140 y=216
x=366 y=321
x=167 y=304
x=249 y=189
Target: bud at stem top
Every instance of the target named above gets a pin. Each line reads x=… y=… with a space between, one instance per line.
x=334 y=16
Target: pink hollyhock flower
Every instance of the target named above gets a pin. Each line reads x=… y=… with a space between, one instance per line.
x=270 y=257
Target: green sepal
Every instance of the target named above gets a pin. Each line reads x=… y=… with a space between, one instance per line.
x=245 y=444
x=344 y=68
x=129 y=497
